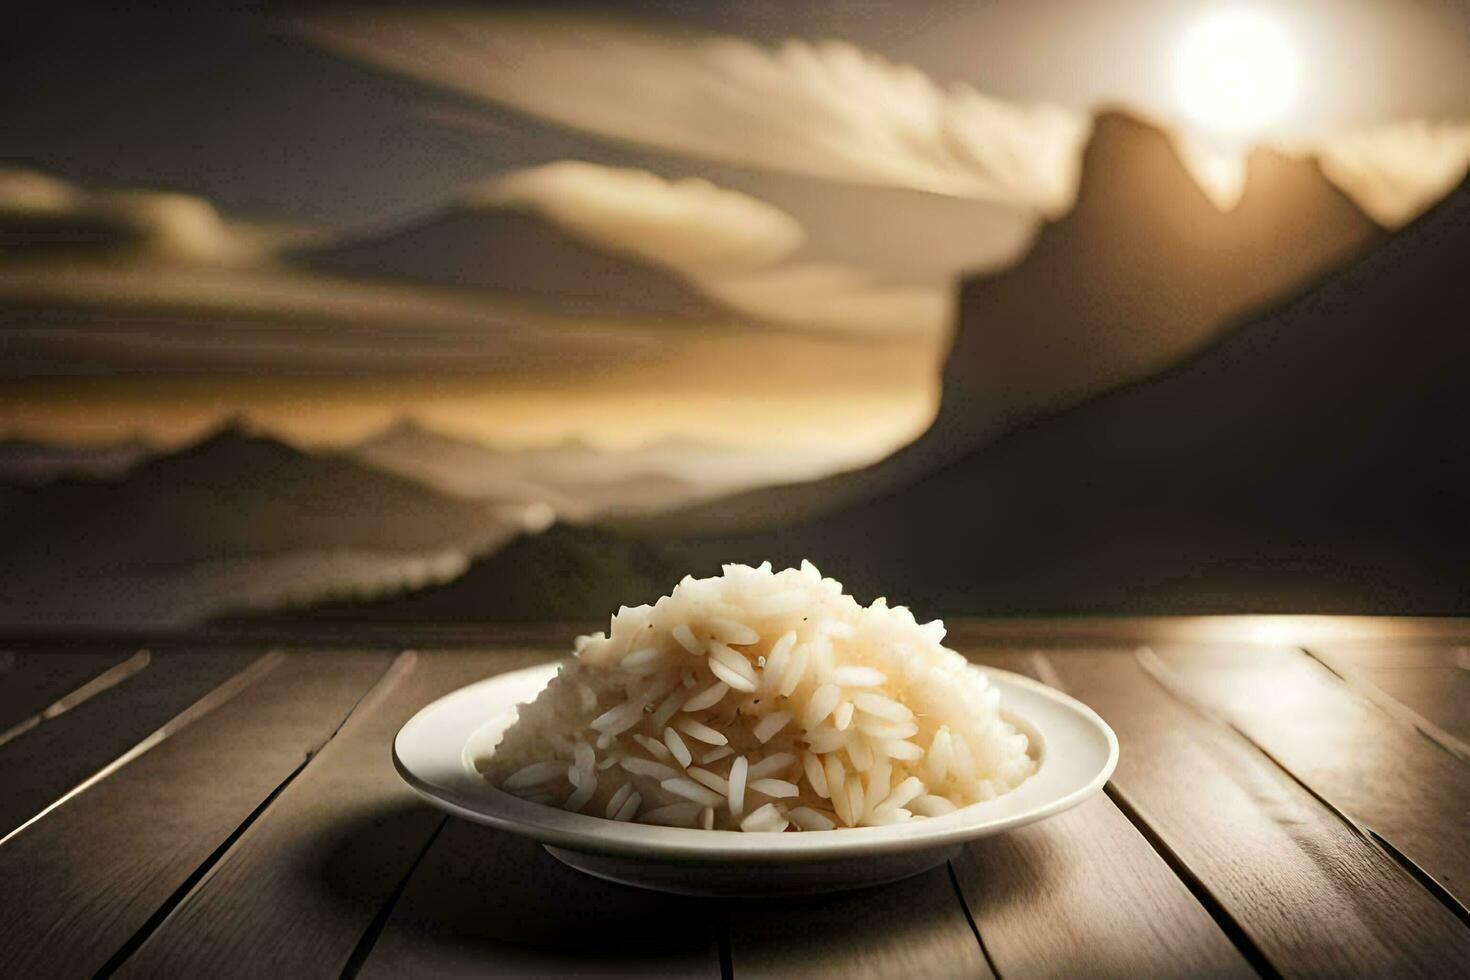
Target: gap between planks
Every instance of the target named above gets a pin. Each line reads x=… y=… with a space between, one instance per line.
x=392 y=674
x=1044 y=671
x=1225 y=853
x=303 y=885
x=1163 y=674
x=959 y=893
x=1228 y=924
x=1451 y=743
x=161 y=914
x=1084 y=893
x=218 y=696
x=364 y=947
x=107 y=679
x=115 y=854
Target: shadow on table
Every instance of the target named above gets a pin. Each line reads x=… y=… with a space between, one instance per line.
x=483 y=900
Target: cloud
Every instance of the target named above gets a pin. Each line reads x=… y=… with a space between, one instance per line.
x=42 y=214
x=828 y=297
x=825 y=109
x=763 y=389
x=146 y=332
x=153 y=319
x=727 y=244
x=1397 y=171
x=1394 y=172
x=688 y=225
x=831 y=110
x=30 y=192
x=150 y=283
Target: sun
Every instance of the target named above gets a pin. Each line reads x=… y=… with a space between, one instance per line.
x=1236 y=72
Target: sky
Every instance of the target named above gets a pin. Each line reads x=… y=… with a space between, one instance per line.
x=247 y=112
x=827 y=170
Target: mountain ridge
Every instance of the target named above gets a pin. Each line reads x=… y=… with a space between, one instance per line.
x=1309 y=459
x=581 y=480
x=1077 y=315
x=233 y=519
x=229 y=469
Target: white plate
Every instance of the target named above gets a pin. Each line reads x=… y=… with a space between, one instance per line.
x=1075 y=748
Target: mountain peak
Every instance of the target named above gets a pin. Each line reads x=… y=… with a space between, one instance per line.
x=1301 y=462
x=1143 y=271
x=1113 y=126
x=1128 y=160
x=1292 y=186
x=230 y=434
x=1135 y=170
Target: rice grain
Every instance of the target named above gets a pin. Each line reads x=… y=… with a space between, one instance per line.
x=849 y=716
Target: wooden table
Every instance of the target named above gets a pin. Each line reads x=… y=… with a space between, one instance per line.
x=1293 y=798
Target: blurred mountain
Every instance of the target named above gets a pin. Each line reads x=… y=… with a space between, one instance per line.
x=30 y=462
x=44 y=218
x=579 y=480
x=235 y=520
x=478 y=246
x=1142 y=272
x=565 y=573
x=1314 y=458
x=548 y=476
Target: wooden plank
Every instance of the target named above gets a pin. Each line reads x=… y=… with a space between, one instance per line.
x=31 y=682
x=78 y=885
x=486 y=903
x=1090 y=631
x=1430 y=683
x=1410 y=792
x=1099 y=631
x=912 y=928
x=301 y=886
x=41 y=765
x=1084 y=894
x=1313 y=895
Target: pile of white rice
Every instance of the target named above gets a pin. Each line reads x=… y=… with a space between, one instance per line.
x=762 y=701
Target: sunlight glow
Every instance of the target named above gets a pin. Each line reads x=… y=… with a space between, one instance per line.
x=1237 y=71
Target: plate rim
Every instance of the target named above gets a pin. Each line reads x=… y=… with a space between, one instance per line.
x=587 y=833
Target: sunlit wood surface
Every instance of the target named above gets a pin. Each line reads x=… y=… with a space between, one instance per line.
x=1293 y=798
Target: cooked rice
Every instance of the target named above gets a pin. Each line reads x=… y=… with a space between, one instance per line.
x=763 y=701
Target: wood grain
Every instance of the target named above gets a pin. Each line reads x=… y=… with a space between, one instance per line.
x=296 y=892
x=1315 y=896
x=1431 y=682
x=76 y=886
x=40 y=765
x=1084 y=894
x=912 y=928
x=1374 y=767
x=185 y=860
x=34 y=681
x=484 y=903
x=1094 y=631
